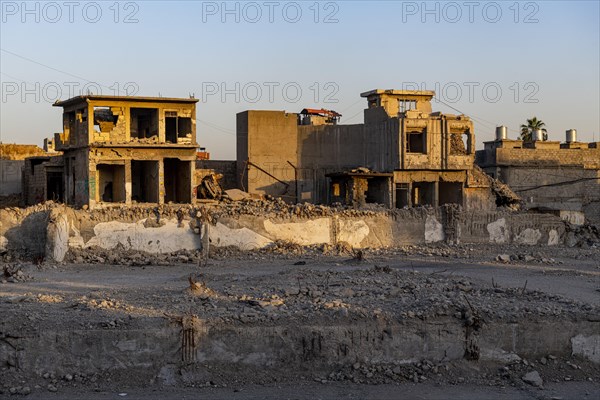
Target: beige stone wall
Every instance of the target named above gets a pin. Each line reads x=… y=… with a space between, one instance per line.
x=586 y=158
x=546 y=175
x=268 y=140
x=79 y=121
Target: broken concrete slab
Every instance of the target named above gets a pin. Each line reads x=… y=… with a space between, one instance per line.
x=237 y=195
x=533 y=378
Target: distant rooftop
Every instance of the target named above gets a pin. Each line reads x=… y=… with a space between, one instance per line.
x=395 y=92
x=79 y=99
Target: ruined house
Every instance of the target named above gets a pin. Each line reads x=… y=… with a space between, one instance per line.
x=12 y=161
x=127 y=149
x=42 y=179
x=550 y=176
x=403 y=155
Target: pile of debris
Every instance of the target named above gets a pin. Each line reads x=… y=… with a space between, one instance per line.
x=13 y=273
x=131 y=258
x=584 y=236
x=505 y=197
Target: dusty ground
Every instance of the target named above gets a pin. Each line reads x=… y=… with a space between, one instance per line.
x=290 y=284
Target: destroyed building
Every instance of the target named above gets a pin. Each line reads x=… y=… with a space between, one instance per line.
x=403 y=155
x=12 y=161
x=119 y=150
x=550 y=176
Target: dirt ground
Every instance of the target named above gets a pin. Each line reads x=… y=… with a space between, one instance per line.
x=292 y=284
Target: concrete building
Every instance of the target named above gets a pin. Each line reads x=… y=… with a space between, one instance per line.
x=127 y=149
x=12 y=160
x=562 y=178
x=408 y=155
x=42 y=179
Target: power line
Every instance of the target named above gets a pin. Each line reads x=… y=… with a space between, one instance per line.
x=557 y=184
x=52 y=68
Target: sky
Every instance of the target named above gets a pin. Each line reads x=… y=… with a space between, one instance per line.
x=497 y=62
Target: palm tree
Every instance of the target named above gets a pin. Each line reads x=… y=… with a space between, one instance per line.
x=533 y=124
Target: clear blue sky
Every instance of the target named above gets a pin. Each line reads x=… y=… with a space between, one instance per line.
x=534 y=58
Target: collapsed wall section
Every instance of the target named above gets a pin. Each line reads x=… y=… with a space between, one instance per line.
x=53 y=230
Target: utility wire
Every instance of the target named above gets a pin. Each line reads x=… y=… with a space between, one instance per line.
x=52 y=68
x=556 y=184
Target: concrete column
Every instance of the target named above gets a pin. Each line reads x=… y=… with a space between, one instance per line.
x=192 y=181
x=128 y=186
x=90 y=125
x=436 y=193
x=93 y=187
x=127 y=116
x=161 y=181
x=402 y=145
x=161 y=125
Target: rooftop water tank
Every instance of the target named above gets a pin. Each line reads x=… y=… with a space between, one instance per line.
x=501 y=133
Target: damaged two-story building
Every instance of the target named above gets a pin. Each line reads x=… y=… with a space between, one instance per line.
x=403 y=155
x=122 y=149
x=550 y=176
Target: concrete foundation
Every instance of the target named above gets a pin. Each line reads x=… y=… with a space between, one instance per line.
x=60 y=228
x=160 y=353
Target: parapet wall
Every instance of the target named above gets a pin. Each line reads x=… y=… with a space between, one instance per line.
x=50 y=231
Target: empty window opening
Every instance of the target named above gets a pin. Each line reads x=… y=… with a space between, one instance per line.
x=377 y=191
x=406 y=105
x=450 y=193
x=336 y=190
x=171 y=126
x=402 y=195
x=111 y=183
x=144 y=181
x=144 y=122
x=459 y=144
x=35 y=162
x=415 y=142
x=184 y=127
x=178 y=181
x=54 y=186
x=423 y=194
x=177 y=127
x=104 y=119
x=71 y=179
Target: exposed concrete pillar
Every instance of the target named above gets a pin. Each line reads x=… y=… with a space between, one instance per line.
x=192 y=181
x=127 y=116
x=161 y=181
x=402 y=144
x=93 y=182
x=128 y=187
x=161 y=125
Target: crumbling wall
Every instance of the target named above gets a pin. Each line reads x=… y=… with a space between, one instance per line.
x=10 y=151
x=23 y=231
x=34 y=182
x=503 y=227
x=557 y=188
x=226 y=168
x=170 y=228
x=10 y=176
x=261 y=169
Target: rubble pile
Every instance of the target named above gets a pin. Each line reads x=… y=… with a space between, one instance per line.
x=526 y=258
x=585 y=236
x=13 y=273
x=379 y=292
x=278 y=208
x=505 y=197
x=121 y=256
